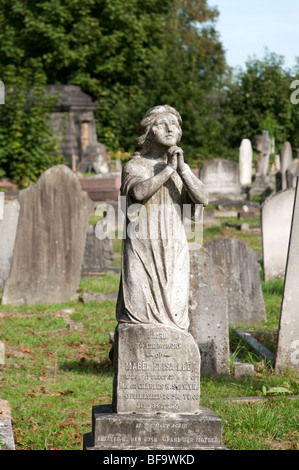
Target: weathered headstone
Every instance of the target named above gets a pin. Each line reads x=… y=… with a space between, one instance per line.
x=292 y=173
x=208 y=313
x=50 y=240
x=98 y=254
x=277 y=165
x=245 y=162
x=221 y=178
x=8 y=230
x=286 y=160
x=96 y=160
x=288 y=335
x=276 y=217
x=240 y=265
x=156 y=386
x=263 y=182
x=266 y=150
x=156 y=369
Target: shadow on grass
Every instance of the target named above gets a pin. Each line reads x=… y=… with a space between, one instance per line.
x=89 y=366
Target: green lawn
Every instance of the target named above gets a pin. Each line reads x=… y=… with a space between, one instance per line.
x=57 y=367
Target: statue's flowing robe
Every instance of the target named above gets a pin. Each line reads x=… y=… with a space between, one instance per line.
x=154 y=284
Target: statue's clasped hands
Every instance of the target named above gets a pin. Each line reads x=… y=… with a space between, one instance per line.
x=176 y=158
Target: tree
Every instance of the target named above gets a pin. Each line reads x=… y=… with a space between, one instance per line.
x=258 y=99
x=27 y=146
x=128 y=55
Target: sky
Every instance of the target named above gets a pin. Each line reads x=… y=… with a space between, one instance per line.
x=247 y=27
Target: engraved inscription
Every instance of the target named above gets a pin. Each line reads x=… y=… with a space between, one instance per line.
x=160 y=372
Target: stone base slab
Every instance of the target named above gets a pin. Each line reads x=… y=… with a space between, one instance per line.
x=164 y=431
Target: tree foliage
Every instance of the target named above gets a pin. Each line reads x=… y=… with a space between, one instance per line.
x=27 y=146
x=259 y=98
x=128 y=55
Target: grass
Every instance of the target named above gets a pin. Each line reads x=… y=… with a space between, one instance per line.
x=55 y=371
x=53 y=374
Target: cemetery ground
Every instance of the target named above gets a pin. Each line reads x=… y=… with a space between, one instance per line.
x=57 y=367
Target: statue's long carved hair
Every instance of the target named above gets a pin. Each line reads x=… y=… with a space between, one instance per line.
x=143 y=142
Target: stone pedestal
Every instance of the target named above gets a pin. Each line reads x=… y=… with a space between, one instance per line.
x=155 y=395
x=164 y=431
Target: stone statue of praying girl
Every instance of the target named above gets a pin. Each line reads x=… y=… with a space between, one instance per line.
x=154 y=285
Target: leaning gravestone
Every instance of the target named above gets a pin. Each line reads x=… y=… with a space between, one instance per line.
x=245 y=162
x=240 y=265
x=208 y=313
x=222 y=179
x=288 y=336
x=8 y=230
x=50 y=240
x=156 y=386
x=276 y=217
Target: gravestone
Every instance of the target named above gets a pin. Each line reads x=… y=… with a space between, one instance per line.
x=156 y=369
x=156 y=387
x=208 y=313
x=8 y=230
x=288 y=334
x=266 y=150
x=96 y=160
x=292 y=173
x=276 y=217
x=240 y=265
x=98 y=254
x=263 y=182
x=221 y=179
x=245 y=162
x=286 y=160
x=2 y=199
x=276 y=165
x=50 y=240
